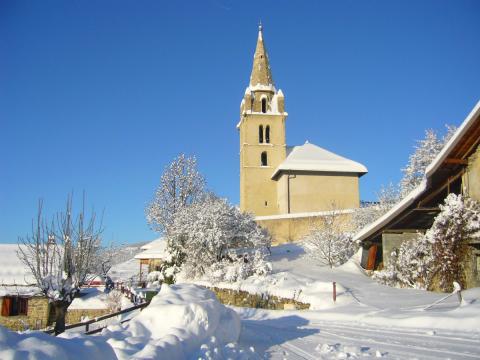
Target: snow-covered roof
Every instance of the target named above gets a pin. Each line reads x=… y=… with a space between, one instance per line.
x=310 y=157
x=461 y=131
x=431 y=169
x=153 y=250
x=392 y=213
x=12 y=270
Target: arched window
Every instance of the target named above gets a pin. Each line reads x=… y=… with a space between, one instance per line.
x=264 y=158
x=260 y=134
x=267 y=134
x=264 y=105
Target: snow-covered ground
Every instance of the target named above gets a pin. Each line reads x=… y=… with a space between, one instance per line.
x=368 y=319
x=182 y=322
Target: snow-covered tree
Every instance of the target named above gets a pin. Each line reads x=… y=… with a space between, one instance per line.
x=425 y=151
x=60 y=255
x=412 y=265
x=154 y=279
x=114 y=301
x=105 y=258
x=212 y=232
x=457 y=223
x=180 y=185
x=329 y=243
x=440 y=252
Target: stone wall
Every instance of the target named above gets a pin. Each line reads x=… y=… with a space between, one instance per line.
x=77 y=315
x=245 y=299
x=295 y=227
x=36 y=318
x=471 y=179
x=391 y=241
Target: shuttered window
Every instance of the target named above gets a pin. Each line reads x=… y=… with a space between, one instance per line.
x=14 y=305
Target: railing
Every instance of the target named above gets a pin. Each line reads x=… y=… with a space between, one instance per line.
x=87 y=323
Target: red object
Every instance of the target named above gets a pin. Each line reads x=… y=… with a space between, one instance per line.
x=372 y=255
x=334 y=291
x=6 y=306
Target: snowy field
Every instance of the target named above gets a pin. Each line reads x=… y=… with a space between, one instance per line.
x=368 y=320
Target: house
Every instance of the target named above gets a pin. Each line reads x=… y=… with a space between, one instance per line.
x=23 y=306
x=456 y=169
x=287 y=188
x=151 y=258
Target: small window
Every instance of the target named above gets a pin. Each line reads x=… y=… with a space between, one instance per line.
x=264 y=158
x=264 y=105
x=266 y=203
x=14 y=305
x=260 y=134
x=267 y=134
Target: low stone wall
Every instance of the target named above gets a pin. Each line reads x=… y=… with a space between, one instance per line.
x=77 y=315
x=264 y=301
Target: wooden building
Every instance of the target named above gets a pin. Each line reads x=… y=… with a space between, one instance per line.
x=456 y=169
x=151 y=258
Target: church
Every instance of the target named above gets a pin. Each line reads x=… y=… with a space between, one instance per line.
x=287 y=188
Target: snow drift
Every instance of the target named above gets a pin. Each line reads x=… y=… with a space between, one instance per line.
x=40 y=346
x=182 y=322
x=175 y=325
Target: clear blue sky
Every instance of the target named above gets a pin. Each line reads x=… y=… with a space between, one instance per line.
x=101 y=95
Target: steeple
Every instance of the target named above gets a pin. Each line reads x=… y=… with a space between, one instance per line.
x=261 y=76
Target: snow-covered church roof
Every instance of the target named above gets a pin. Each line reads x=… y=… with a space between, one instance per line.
x=310 y=157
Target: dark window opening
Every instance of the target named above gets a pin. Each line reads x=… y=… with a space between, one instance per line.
x=14 y=305
x=267 y=134
x=264 y=158
x=260 y=134
x=264 y=105
x=266 y=203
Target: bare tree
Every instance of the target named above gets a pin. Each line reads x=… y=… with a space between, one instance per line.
x=60 y=255
x=329 y=243
x=181 y=184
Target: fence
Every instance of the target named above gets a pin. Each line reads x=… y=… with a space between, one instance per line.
x=139 y=302
x=88 y=323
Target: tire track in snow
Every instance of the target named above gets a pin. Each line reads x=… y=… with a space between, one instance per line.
x=400 y=344
x=417 y=333
x=410 y=343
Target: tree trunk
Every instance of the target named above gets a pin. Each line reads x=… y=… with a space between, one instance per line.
x=60 y=314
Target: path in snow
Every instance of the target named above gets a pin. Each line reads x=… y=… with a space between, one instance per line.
x=296 y=337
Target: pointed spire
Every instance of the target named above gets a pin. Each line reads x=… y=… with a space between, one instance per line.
x=261 y=74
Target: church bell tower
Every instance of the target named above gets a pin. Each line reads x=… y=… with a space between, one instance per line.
x=262 y=137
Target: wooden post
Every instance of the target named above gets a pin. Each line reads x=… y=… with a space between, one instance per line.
x=140 y=272
x=334 y=292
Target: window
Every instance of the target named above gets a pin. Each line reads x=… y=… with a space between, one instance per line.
x=266 y=203
x=14 y=305
x=264 y=158
x=264 y=105
x=267 y=134
x=260 y=134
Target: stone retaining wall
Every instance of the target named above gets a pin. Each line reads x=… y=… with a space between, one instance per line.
x=77 y=315
x=264 y=301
